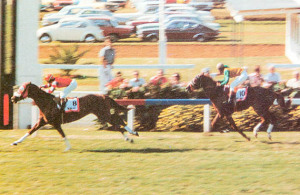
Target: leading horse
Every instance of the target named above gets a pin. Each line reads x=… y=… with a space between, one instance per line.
x=259 y=98
x=50 y=112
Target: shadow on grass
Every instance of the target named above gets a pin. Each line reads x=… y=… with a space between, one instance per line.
x=145 y=150
x=288 y=143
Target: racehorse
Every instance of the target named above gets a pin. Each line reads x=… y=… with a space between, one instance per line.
x=50 y=112
x=259 y=98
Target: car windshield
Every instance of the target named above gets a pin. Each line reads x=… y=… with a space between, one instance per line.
x=70 y=24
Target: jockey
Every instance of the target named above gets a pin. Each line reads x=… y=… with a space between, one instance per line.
x=58 y=82
x=240 y=74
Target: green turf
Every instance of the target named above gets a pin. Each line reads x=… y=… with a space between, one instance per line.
x=157 y=163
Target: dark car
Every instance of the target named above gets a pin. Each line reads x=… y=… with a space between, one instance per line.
x=181 y=30
x=112 y=28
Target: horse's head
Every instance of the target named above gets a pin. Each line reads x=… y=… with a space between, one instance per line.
x=201 y=81
x=22 y=93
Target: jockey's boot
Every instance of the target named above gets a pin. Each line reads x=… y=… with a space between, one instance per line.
x=57 y=101
x=231 y=97
x=63 y=102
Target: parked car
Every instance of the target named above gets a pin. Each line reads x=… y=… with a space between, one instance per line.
x=120 y=3
x=148 y=26
x=201 y=5
x=145 y=20
x=112 y=28
x=70 y=29
x=181 y=30
x=67 y=11
x=100 y=4
x=59 y=4
x=212 y=25
x=94 y=12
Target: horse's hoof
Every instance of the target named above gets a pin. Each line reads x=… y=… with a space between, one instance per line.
x=248 y=139
x=136 y=133
x=255 y=135
x=131 y=141
x=67 y=149
x=270 y=137
x=14 y=144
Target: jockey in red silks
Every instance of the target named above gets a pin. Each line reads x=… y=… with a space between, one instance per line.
x=59 y=82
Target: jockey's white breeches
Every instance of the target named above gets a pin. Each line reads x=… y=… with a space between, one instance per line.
x=239 y=80
x=68 y=89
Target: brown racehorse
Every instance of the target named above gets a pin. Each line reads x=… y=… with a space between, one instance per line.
x=50 y=112
x=259 y=98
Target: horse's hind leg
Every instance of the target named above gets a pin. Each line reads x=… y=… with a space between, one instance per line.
x=61 y=132
x=271 y=119
x=233 y=125
x=258 y=126
x=116 y=120
x=38 y=125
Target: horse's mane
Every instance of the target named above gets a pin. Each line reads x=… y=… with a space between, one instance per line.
x=41 y=93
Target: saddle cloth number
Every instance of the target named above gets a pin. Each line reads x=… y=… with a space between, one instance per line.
x=72 y=105
x=241 y=94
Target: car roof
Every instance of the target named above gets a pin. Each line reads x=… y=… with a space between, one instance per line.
x=98 y=18
x=74 y=19
x=183 y=20
x=76 y=6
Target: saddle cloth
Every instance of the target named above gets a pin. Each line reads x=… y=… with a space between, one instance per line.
x=72 y=105
x=241 y=94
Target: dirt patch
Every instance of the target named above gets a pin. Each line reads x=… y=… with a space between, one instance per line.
x=181 y=51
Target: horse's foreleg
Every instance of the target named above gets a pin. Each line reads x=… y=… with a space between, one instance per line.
x=233 y=125
x=61 y=132
x=38 y=125
x=214 y=121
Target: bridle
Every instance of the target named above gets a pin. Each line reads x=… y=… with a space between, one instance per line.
x=22 y=92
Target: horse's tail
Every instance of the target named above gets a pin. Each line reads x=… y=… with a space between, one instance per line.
x=281 y=101
x=117 y=106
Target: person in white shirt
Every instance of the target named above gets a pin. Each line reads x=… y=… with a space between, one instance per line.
x=107 y=57
x=293 y=86
x=294 y=83
x=136 y=82
x=271 y=78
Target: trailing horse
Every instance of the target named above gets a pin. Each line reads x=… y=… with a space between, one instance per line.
x=50 y=112
x=259 y=98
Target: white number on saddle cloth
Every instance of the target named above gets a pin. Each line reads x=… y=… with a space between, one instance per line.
x=72 y=105
x=241 y=94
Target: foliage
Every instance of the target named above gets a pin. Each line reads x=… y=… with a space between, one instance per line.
x=66 y=55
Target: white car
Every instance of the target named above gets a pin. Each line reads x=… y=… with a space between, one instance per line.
x=71 y=29
x=67 y=11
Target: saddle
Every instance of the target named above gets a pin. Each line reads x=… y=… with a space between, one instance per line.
x=67 y=104
x=240 y=93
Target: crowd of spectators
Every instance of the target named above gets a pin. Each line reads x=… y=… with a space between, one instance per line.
x=137 y=87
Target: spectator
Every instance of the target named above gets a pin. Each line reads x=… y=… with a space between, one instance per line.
x=159 y=79
x=272 y=78
x=107 y=58
x=115 y=82
x=59 y=82
x=136 y=82
x=293 y=85
x=255 y=78
x=240 y=75
x=175 y=81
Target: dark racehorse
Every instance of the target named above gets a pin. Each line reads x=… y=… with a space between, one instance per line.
x=259 y=98
x=50 y=112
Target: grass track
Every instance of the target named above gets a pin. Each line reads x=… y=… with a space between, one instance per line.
x=158 y=163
